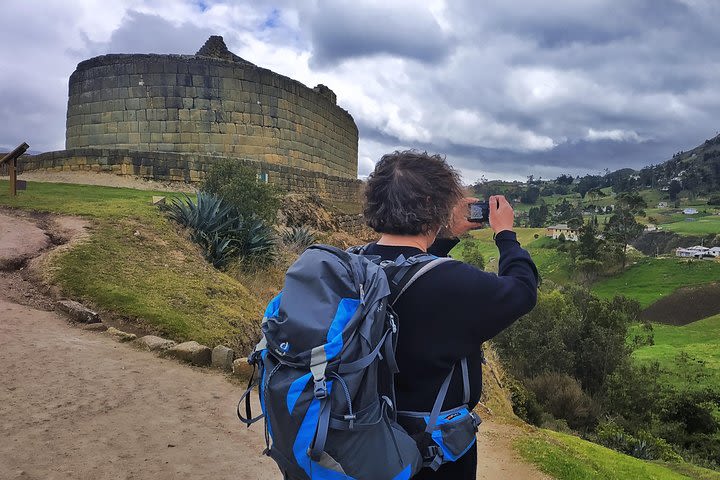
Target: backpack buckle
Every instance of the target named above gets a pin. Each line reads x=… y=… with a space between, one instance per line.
x=320 y=389
x=476 y=420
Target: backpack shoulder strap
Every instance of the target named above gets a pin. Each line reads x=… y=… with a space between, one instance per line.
x=358 y=249
x=402 y=276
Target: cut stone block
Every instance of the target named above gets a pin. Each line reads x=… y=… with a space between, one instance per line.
x=191 y=352
x=153 y=343
x=222 y=357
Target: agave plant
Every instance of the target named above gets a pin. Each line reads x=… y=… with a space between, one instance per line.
x=258 y=240
x=208 y=216
x=642 y=450
x=298 y=238
x=217 y=249
x=221 y=232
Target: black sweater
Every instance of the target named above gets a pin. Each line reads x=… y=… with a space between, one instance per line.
x=449 y=312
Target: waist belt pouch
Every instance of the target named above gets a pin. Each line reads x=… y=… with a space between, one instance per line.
x=454 y=431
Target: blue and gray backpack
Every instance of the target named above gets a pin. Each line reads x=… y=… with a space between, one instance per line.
x=326 y=367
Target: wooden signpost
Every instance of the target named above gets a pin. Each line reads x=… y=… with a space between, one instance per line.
x=11 y=160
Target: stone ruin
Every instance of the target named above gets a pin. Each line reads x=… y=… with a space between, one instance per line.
x=169 y=117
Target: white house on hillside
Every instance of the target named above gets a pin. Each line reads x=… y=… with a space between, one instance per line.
x=555 y=231
x=698 y=252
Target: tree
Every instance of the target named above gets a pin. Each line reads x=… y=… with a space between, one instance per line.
x=530 y=195
x=571 y=331
x=471 y=254
x=588 y=243
x=621 y=229
x=565 y=210
x=588 y=253
x=537 y=216
x=237 y=184
x=564 y=180
x=587 y=183
x=575 y=222
x=634 y=202
x=674 y=188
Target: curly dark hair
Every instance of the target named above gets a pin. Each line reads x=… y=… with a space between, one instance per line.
x=411 y=193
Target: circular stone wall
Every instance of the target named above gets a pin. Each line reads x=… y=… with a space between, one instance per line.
x=205 y=105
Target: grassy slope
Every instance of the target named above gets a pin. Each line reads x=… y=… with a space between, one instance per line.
x=699 y=340
x=566 y=457
x=650 y=278
x=137 y=265
x=551 y=263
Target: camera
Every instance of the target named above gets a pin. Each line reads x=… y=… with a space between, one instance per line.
x=479 y=212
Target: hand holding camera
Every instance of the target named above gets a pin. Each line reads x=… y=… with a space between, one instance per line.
x=497 y=211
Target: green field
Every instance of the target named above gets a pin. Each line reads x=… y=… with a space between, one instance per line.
x=699 y=340
x=566 y=457
x=699 y=226
x=552 y=264
x=136 y=265
x=652 y=278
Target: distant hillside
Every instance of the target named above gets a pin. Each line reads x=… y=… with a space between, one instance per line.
x=691 y=174
x=696 y=171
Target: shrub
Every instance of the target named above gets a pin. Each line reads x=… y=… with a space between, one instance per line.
x=563 y=397
x=644 y=445
x=237 y=184
x=298 y=239
x=524 y=403
x=693 y=411
x=471 y=255
x=633 y=392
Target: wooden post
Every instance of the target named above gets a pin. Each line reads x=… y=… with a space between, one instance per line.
x=11 y=160
x=13 y=177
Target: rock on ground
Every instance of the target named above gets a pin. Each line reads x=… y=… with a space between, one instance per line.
x=242 y=368
x=154 y=343
x=78 y=312
x=120 y=335
x=222 y=357
x=191 y=352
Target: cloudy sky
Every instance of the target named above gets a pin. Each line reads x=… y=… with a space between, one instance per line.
x=504 y=88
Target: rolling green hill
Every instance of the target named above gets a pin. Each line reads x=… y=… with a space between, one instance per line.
x=652 y=278
x=698 y=340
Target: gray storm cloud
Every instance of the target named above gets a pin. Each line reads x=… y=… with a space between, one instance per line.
x=512 y=88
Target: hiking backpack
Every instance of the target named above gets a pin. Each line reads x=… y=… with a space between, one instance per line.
x=326 y=366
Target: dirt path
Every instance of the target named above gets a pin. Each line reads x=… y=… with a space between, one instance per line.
x=78 y=405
